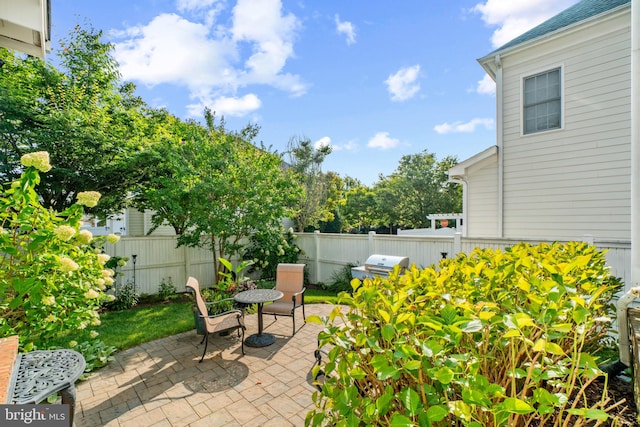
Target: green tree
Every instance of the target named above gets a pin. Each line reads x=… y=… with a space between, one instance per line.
x=335 y=194
x=167 y=193
x=358 y=209
x=92 y=125
x=418 y=187
x=221 y=189
x=306 y=167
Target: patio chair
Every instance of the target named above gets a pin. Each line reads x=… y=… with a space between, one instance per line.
x=226 y=321
x=289 y=281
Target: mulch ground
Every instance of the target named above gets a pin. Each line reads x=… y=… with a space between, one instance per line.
x=620 y=392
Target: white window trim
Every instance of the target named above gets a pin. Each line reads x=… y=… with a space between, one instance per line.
x=562 y=98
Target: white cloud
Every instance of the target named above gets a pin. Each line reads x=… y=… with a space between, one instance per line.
x=514 y=17
x=183 y=55
x=486 y=86
x=227 y=106
x=346 y=28
x=383 y=141
x=271 y=36
x=189 y=5
x=325 y=141
x=210 y=58
x=350 y=145
x=402 y=85
x=468 y=127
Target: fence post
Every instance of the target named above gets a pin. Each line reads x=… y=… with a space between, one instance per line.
x=372 y=242
x=316 y=240
x=187 y=263
x=457 y=243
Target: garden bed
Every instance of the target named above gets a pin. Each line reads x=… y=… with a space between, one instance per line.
x=620 y=391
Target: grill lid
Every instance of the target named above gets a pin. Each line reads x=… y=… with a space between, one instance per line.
x=385 y=263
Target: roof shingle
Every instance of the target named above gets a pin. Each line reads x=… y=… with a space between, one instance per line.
x=572 y=15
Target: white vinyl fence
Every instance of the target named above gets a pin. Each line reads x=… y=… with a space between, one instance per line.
x=324 y=254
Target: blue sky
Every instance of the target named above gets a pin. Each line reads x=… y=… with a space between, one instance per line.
x=374 y=79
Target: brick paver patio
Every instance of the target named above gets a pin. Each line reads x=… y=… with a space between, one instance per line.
x=161 y=383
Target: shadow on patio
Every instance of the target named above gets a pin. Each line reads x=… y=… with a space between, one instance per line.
x=161 y=383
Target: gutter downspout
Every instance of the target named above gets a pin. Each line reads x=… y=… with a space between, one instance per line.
x=634 y=292
x=635 y=143
x=623 y=303
x=499 y=142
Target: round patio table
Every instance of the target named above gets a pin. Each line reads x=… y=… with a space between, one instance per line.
x=258 y=296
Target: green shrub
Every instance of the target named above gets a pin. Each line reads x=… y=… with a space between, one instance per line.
x=493 y=338
x=340 y=280
x=269 y=249
x=167 y=289
x=126 y=298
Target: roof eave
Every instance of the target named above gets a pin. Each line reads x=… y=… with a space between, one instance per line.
x=488 y=59
x=460 y=170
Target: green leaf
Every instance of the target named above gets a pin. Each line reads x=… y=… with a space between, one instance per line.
x=554 y=348
x=587 y=361
x=565 y=328
x=399 y=420
x=517 y=406
x=357 y=373
x=411 y=400
x=384 y=402
x=388 y=372
x=589 y=413
x=388 y=332
x=539 y=345
x=412 y=365
x=449 y=315
x=437 y=413
x=314 y=319
x=472 y=326
x=386 y=317
x=475 y=397
x=511 y=333
x=460 y=409
x=444 y=375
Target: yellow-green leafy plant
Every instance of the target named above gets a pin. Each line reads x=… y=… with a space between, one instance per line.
x=52 y=273
x=493 y=338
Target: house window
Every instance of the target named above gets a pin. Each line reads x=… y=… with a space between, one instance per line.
x=542 y=102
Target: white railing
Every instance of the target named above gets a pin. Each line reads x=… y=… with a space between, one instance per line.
x=325 y=254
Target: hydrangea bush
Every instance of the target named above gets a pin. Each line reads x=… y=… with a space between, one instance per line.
x=52 y=274
x=494 y=338
x=268 y=249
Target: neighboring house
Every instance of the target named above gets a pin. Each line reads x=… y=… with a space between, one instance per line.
x=25 y=26
x=561 y=166
x=130 y=222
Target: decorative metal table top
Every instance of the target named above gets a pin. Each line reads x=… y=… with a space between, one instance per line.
x=39 y=374
x=257 y=296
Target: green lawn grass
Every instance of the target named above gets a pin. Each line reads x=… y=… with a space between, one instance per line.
x=128 y=328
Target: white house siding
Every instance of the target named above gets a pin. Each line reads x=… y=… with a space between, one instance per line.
x=163 y=230
x=563 y=184
x=482 y=201
x=139 y=224
x=135 y=220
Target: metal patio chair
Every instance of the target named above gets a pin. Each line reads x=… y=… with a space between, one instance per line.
x=226 y=321
x=289 y=281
